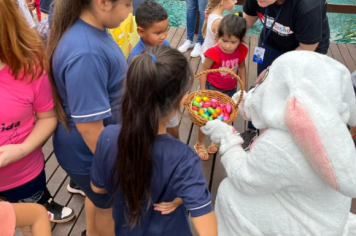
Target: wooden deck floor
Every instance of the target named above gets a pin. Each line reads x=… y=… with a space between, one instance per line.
x=57 y=179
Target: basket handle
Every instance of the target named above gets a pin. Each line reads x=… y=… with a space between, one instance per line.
x=231 y=73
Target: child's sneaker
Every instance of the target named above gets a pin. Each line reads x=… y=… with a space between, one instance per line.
x=185 y=46
x=58 y=213
x=72 y=187
x=248 y=136
x=196 y=51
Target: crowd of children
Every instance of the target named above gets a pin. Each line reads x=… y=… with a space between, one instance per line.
x=106 y=84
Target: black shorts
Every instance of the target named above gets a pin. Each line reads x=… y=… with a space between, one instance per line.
x=34 y=191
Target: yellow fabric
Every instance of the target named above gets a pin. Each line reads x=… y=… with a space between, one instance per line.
x=126 y=35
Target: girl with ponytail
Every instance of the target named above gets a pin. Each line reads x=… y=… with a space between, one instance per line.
x=213 y=15
x=87 y=69
x=139 y=164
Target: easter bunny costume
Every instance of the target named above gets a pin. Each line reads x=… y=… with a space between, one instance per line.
x=300 y=174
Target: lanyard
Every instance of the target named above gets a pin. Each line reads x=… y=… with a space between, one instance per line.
x=266 y=35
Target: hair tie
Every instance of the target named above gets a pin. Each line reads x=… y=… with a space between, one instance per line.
x=153 y=58
x=206 y=15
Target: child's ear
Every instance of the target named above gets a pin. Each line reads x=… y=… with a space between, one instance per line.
x=140 y=31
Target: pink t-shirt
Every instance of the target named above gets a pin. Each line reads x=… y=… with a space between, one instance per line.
x=19 y=99
x=222 y=80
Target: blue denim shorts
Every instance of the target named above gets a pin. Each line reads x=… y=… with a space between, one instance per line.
x=230 y=93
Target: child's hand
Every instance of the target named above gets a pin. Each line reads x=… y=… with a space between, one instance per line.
x=11 y=153
x=168 y=207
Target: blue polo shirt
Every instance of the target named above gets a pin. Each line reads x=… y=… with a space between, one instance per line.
x=89 y=69
x=140 y=46
x=176 y=172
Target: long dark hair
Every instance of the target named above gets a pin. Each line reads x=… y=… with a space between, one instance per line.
x=152 y=90
x=65 y=14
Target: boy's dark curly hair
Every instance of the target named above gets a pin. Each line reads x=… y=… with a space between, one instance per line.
x=150 y=12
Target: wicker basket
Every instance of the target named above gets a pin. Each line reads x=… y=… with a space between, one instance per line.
x=222 y=98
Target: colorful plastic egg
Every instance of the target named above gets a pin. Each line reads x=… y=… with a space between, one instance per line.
x=226 y=117
x=195 y=108
x=198 y=99
x=213 y=100
x=211 y=118
x=197 y=104
x=218 y=111
x=222 y=105
x=211 y=110
x=214 y=115
x=207 y=104
x=213 y=105
x=205 y=109
x=206 y=99
x=201 y=103
x=228 y=108
x=220 y=118
x=201 y=111
x=204 y=116
x=196 y=112
x=207 y=113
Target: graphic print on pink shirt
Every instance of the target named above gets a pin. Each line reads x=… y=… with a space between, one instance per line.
x=222 y=60
x=17 y=120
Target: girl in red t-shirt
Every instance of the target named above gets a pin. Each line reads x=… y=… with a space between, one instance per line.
x=228 y=53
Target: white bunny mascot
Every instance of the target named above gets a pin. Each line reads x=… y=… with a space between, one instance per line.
x=300 y=174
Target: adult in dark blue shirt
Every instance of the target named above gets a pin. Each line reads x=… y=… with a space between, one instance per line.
x=139 y=164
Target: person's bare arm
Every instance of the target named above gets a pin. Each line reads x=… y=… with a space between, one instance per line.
x=250 y=20
x=33 y=215
x=90 y=132
x=307 y=47
x=214 y=28
x=242 y=73
x=206 y=66
x=46 y=123
x=96 y=189
x=206 y=225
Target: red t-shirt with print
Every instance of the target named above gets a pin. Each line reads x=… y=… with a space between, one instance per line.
x=221 y=80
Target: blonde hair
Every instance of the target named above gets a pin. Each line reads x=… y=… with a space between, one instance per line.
x=21 y=47
x=209 y=8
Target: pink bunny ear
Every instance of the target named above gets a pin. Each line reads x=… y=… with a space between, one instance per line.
x=305 y=134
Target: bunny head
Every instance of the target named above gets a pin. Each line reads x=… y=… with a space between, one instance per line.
x=311 y=96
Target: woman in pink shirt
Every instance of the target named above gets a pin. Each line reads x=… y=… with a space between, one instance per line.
x=27 y=117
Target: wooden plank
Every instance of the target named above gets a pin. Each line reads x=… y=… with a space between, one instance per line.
x=349 y=62
x=56 y=182
x=342 y=8
x=51 y=167
x=329 y=53
x=80 y=224
x=171 y=32
x=177 y=37
x=352 y=50
x=336 y=53
x=47 y=149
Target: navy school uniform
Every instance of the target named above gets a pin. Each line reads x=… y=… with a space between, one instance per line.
x=89 y=69
x=176 y=173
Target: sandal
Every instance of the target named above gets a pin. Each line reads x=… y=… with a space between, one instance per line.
x=213 y=145
x=200 y=149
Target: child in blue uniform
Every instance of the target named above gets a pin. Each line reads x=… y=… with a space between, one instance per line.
x=138 y=164
x=87 y=69
x=152 y=25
